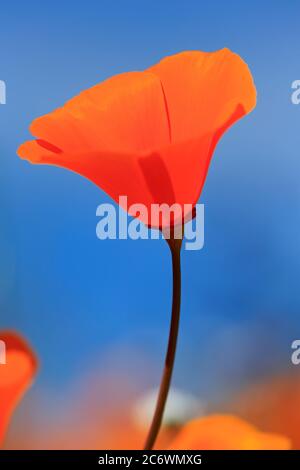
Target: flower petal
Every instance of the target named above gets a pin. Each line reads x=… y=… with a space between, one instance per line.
x=126 y=113
x=191 y=159
x=15 y=376
x=117 y=174
x=226 y=432
x=203 y=89
x=148 y=135
x=152 y=178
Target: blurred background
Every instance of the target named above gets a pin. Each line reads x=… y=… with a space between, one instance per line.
x=97 y=312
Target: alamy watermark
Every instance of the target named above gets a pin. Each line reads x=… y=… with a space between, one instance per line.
x=295 y=96
x=295 y=357
x=2 y=352
x=165 y=221
x=2 y=92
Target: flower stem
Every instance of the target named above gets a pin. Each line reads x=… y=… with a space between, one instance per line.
x=175 y=247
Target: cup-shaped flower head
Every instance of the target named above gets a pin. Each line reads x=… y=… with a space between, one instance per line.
x=226 y=432
x=148 y=135
x=17 y=371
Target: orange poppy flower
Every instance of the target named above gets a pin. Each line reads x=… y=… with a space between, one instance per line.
x=226 y=432
x=148 y=135
x=15 y=376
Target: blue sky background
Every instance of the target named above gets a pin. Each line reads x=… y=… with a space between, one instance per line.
x=80 y=300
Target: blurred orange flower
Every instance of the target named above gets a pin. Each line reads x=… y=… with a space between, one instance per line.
x=226 y=432
x=148 y=135
x=272 y=403
x=15 y=376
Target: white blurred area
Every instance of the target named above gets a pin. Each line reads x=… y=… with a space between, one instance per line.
x=181 y=407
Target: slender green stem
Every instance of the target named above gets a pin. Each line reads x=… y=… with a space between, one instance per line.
x=175 y=247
